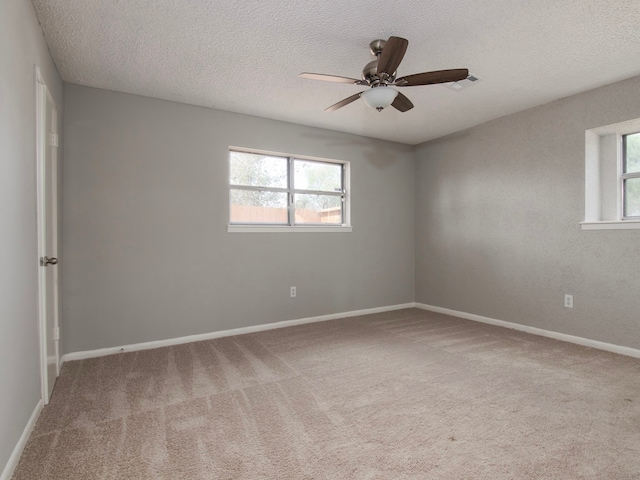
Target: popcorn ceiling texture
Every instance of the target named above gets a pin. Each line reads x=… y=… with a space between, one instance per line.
x=246 y=56
x=407 y=394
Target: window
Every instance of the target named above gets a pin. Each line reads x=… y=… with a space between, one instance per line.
x=272 y=190
x=630 y=176
x=612 y=177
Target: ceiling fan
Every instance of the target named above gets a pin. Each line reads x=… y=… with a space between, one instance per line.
x=380 y=76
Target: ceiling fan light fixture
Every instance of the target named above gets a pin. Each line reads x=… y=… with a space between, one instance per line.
x=380 y=75
x=379 y=97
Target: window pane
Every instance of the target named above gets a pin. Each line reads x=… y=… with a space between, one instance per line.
x=255 y=170
x=318 y=209
x=249 y=206
x=325 y=177
x=632 y=197
x=632 y=153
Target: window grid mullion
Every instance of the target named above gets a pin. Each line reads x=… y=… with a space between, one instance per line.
x=343 y=198
x=318 y=192
x=626 y=176
x=258 y=189
x=290 y=174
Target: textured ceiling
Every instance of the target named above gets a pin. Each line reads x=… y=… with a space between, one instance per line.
x=245 y=56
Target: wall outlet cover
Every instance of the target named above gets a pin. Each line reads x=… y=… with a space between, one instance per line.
x=568 y=301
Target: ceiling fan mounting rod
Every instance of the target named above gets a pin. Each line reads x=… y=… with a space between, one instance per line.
x=376 y=47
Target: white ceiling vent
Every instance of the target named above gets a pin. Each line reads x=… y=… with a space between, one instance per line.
x=462 y=84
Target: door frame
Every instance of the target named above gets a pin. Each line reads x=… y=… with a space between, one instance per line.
x=42 y=138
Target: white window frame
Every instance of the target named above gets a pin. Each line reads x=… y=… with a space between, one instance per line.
x=604 y=201
x=291 y=226
x=625 y=176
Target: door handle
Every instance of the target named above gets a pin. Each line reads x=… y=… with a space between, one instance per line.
x=44 y=261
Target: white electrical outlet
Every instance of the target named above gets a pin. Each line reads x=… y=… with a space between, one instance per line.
x=293 y=292
x=568 y=301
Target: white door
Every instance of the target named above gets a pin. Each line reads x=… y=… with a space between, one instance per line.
x=47 y=148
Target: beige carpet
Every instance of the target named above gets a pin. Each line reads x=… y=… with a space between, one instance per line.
x=399 y=395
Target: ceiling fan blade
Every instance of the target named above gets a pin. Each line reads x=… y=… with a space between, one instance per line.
x=402 y=103
x=392 y=55
x=342 y=103
x=332 y=78
x=429 y=78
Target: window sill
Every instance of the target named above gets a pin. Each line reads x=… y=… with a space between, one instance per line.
x=611 y=225
x=286 y=228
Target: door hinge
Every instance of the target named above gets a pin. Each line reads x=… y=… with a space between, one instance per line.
x=53 y=139
x=56 y=333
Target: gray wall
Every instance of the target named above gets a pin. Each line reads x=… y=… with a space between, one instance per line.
x=497 y=222
x=21 y=47
x=147 y=253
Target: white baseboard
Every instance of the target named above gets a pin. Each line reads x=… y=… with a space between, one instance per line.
x=225 y=333
x=609 y=347
x=586 y=342
x=12 y=463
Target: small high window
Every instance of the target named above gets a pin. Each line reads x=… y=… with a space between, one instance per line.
x=279 y=190
x=630 y=176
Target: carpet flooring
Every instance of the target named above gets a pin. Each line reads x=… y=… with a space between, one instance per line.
x=407 y=394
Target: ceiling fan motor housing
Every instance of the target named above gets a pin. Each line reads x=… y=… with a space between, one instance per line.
x=370 y=71
x=370 y=74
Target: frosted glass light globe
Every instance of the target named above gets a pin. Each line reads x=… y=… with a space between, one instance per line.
x=379 y=97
